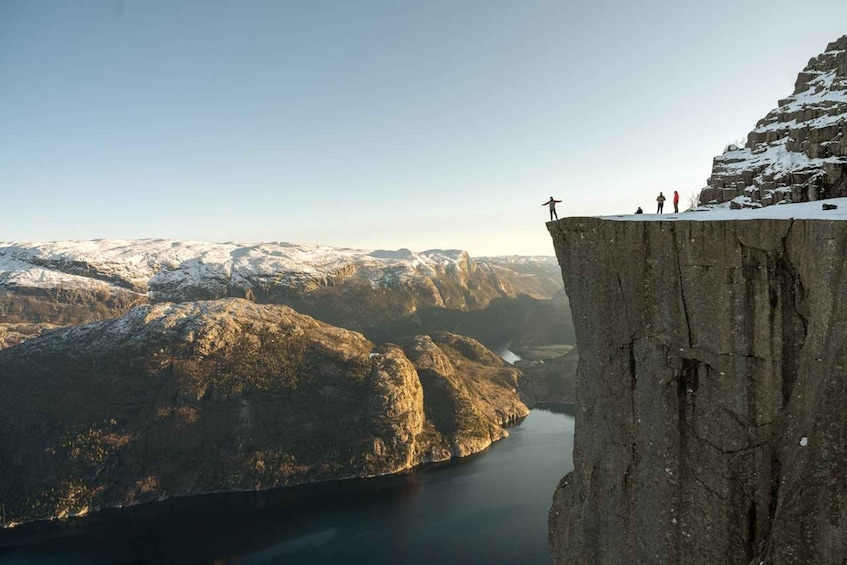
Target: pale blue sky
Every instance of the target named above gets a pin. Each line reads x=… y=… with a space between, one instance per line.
x=377 y=124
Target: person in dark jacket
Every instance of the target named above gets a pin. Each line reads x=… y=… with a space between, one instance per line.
x=552 y=204
x=639 y=211
x=661 y=200
x=675 y=202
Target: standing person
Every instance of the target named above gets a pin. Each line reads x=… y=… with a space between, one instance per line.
x=661 y=200
x=675 y=202
x=552 y=204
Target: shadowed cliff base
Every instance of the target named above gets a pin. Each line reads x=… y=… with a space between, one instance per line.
x=712 y=392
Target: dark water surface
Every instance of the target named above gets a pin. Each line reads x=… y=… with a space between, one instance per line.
x=490 y=508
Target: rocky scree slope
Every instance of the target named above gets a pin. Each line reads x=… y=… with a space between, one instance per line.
x=711 y=392
x=198 y=397
x=384 y=294
x=798 y=152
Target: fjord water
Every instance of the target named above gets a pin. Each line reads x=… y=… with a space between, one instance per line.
x=489 y=508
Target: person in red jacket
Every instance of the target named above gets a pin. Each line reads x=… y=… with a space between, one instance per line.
x=552 y=204
x=676 y=202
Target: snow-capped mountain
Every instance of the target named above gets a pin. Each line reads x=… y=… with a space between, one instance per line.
x=165 y=269
x=72 y=282
x=798 y=152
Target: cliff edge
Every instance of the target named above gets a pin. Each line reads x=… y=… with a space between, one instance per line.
x=711 y=419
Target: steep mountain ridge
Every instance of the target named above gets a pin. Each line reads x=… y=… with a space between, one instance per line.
x=798 y=152
x=176 y=271
x=197 y=397
x=384 y=294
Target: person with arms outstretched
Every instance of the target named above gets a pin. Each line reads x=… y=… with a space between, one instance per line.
x=661 y=200
x=552 y=204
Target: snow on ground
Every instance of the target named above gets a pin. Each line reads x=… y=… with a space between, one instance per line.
x=815 y=123
x=15 y=274
x=801 y=211
x=774 y=157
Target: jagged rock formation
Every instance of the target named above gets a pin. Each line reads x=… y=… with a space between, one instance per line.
x=197 y=397
x=384 y=294
x=711 y=418
x=798 y=152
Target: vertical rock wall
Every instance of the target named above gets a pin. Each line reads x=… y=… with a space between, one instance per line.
x=711 y=421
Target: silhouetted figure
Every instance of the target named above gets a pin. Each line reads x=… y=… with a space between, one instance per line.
x=661 y=200
x=552 y=204
x=675 y=202
x=639 y=211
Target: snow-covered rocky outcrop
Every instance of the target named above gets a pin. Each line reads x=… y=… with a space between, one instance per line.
x=798 y=152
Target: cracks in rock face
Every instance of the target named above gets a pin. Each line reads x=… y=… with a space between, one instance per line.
x=706 y=487
x=689 y=378
x=681 y=285
x=618 y=278
x=786 y=298
x=795 y=325
x=751 y=529
x=745 y=423
x=632 y=372
x=762 y=549
x=773 y=285
x=776 y=481
x=722 y=450
x=740 y=414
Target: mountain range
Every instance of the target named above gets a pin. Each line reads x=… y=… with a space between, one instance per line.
x=133 y=371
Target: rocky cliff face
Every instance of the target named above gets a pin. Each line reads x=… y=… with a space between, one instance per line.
x=711 y=418
x=384 y=294
x=197 y=397
x=13 y=334
x=798 y=152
